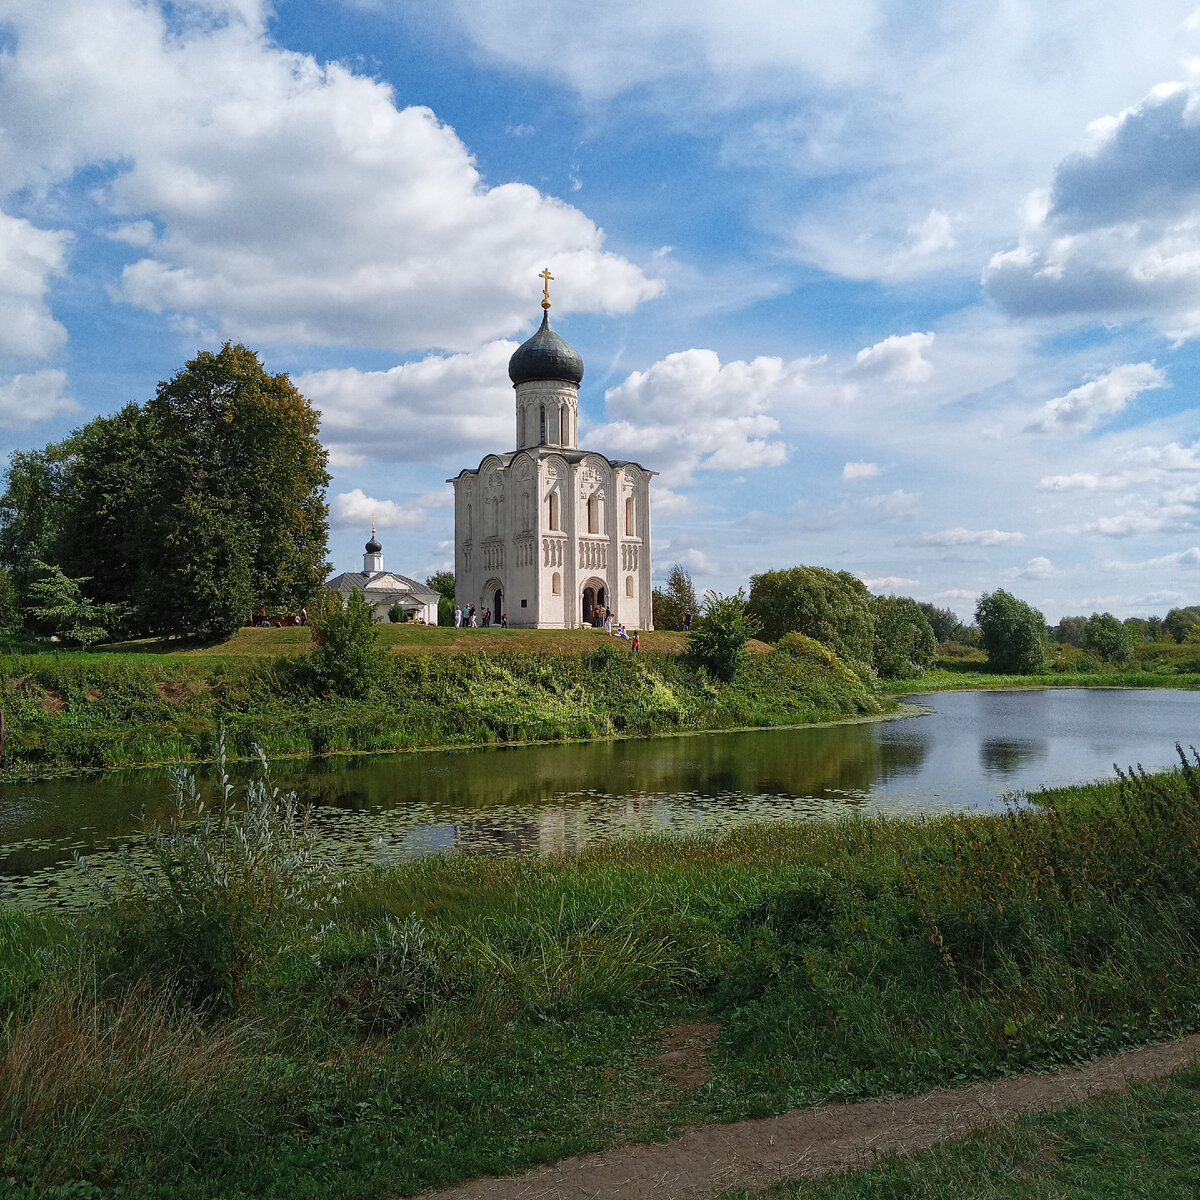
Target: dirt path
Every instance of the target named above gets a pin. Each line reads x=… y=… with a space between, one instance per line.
x=813 y=1142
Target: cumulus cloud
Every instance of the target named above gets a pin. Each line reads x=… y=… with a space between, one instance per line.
x=1118 y=233
x=449 y=409
x=294 y=202
x=1181 y=558
x=1036 y=568
x=1080 y=481
x=666 y=503
x=896 y=505
x=955 y=594
x=27 y=399
x=689 y=412
x=860 y=470
x=973 y=537
x=698 y=561
x=29 y=258
x=897 y=359
x=889 y=582
x=1083 y=406
x=357 y=508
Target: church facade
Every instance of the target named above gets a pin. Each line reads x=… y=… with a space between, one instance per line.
x=549 y=533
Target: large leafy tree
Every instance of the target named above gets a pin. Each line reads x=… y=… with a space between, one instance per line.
x=195 y=508
x=1012 y=632
x=674 y=600
x=904 y=640
x=443 y=583
x=718 y=638
x=1104 y=635
x=831 y=607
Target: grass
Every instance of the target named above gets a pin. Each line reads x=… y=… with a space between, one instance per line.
x=1143 y=1144
x=455 y=1017
x=101 y=711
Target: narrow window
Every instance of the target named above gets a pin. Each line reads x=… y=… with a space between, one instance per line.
x=493 y=517
x=629 y=586
x=468 y=522
x=593 y=515
x=525 y=511
x=552 y=504
x=564 y=421
x=542 y=437
x=520 y=428
x=556 y=584
x=629 y=515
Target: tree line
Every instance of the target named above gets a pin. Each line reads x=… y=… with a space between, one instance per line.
x=182 y=515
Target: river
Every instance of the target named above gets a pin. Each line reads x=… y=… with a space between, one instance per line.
x=966 y=752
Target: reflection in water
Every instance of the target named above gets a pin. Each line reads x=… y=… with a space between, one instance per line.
x=555 y=798
x=1005 y=757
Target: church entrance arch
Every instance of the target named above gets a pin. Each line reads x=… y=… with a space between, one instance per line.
x=595 y=596
x=493 y=598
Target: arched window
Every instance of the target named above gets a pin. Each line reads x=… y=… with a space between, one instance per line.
x=564 y=422
x=468 y=522
x=521 y=428
x=552 y=509
x=629 y=586
x=556 y=584
x=629 y=524
x=493 y=517
x=593 y=514
x=542 y=435
x=525 y=511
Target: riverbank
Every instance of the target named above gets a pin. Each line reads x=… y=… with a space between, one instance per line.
x=74 y=712
x=450 y=1018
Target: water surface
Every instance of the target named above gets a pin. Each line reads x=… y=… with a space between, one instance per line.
x=968 y=752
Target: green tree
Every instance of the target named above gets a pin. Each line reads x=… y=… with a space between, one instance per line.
x=397 y=613
x=1105 y=636
x=1069 y=631
x=946 y=625
x=1180 y=622
x=719 y=635
x=831 y=607
x=58 y=602
x=904 y=640
x=238 y=517
x=10 y=611
x=1012 y=633
x=674 y=600
x=443 y=583
x=33 y=513
x=344 y=659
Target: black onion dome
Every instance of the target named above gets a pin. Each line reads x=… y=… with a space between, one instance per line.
x=373 y=547
x=545 y=356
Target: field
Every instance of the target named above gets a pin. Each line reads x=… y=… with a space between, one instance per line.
x=260 y=1029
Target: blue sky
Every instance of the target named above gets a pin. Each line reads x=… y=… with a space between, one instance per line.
x=907 y=290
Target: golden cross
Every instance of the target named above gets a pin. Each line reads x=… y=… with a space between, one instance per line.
x=545 y=274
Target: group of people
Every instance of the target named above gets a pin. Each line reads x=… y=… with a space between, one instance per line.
x=472 y=619
x=300 y=618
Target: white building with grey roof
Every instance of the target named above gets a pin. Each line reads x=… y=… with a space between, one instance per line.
x=385 y=588
x=548 y=533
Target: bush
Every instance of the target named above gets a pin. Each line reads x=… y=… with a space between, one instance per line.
x=199 y=913
x=719 y=636
x=344 y=659
x=1106 y=636
x=1012 y=633
x=904 y=640
x=832 y=606
x=397 y=613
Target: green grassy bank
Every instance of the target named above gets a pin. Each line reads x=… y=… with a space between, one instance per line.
x=71 y=711
x=241 y=1034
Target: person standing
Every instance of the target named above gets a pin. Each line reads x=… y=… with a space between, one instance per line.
x=457 y=616
x=636 y=645
x=687 y=621
x=504 y=620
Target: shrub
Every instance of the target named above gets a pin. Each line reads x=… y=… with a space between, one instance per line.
x=904 y=639
x=199 y=910
x=719 y=636
x=1106 y=636
x=344 y=658
x=1012 y=633
x=397 y=613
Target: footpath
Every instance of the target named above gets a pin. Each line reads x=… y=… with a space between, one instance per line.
x=812 y=1142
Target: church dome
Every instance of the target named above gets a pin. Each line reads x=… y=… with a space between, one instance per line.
x=545 y=356
x=373 y=546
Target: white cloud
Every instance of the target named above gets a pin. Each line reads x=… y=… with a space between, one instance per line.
x=1126 y=524
x=973 y=537
x=955 y=594
x=449 y=409
x=1083 y=406
x=860 y=470
x=688 y=412
x=29 y=257
x=357 y=508
x=1080 y=481
x=1118 y=236
x=698 y=561
x=666 y=503
x=897 y=359
x=1035 y=568
x=896 y=505
x=1181 y=558
x=888 y=582
x=27 y=399
x=295 y=202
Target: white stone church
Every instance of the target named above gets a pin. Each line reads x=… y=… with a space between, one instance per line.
x=549 y=533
